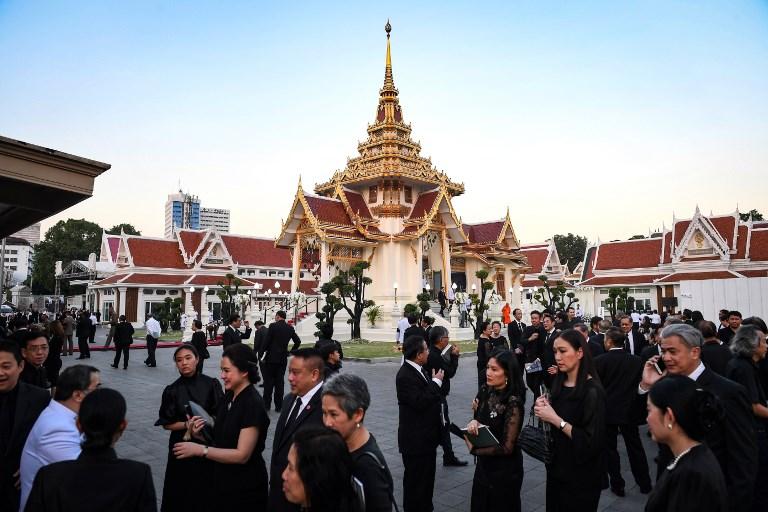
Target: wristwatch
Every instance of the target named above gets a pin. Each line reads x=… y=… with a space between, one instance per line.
x=205 y=451
x=563 y=423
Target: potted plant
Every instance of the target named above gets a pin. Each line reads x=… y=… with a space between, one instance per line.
x=373 y=314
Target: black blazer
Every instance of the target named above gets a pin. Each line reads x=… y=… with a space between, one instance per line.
x=200 y=342
x=276 y=343
x=640 y=342
x=123 y=334
x=533 y=348
x=418 y=400
x=595 y=344
x=310 y=416
x=232 y=336
x=515 y=335
x=715 y=357
x=620 y=374
x=259 y=339
x=30 y=402
x=96 y=481
x=732 y=441
x=436 y=361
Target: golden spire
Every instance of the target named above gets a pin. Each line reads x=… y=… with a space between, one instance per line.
x=389 y=83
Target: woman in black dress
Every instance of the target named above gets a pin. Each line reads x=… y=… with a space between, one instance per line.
x=678 y=413
x=345 y=401
x=239 y=473
x=484 y=349
x=181 y=475
x=498 y=341
x=576 y=412
x=499 y=405
x=749 y=349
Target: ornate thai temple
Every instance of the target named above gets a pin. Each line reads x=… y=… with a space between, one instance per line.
x=391 y=207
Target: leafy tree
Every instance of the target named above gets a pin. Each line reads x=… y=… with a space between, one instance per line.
x=423 y=304
x=350 y=286
x=478 y=302
x=756 y=215
x=571 y=248
x=168 y=314
x=228 y=295
x=554 y=297
x=127 y=228
x=332 y=306
x=72 y=239
x=619 y=300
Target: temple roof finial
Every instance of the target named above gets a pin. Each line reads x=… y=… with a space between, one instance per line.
x=389 y=82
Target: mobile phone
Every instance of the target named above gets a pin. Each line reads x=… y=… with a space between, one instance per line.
x=656 y=367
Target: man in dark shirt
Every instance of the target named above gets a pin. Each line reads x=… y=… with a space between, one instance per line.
x=20 y=405
x=734 y=322
x=414 y=328
x=34 y=350
x=232 y=333
x=443 y=356
x=279 y=333
x=714 y=353
x=533 y=343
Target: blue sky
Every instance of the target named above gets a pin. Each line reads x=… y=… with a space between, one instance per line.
x=599 y=118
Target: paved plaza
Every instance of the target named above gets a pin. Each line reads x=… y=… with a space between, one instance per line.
x=144 y=442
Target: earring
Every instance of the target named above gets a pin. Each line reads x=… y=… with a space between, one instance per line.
x=669 y=426
x=357 y=425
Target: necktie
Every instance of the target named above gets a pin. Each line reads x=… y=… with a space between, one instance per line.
x=294 y=411
x=425 y=373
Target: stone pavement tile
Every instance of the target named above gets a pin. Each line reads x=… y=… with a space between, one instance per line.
x=143 y=388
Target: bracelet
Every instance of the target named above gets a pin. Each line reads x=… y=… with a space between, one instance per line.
x=205 y=451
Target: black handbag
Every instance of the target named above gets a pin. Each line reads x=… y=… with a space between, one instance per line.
x=536 y=439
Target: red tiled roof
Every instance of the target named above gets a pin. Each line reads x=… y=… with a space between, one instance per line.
x=759 y=224
x=531 y=283
x=358 y=204
x=620 y=280
x=725 y=226
x=208 y=280
x=590 y=260
x=256 y=251
x=536 y=257
x=754 y=273
x=741 y=244
x=147 y=252
x=679 y=230
x=344 y=234
x=534 y=246
x=409 y=229
x=696 y=276
x=758 y=247
x=629 y=254
x=190 y=240
x=328 y=210
x=111 y=279
x=484 y=233
x=667 y=245
x=168 y=279
x=423 y=205
x=114 y=245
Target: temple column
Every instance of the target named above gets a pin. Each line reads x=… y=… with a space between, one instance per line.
x=325 y=272
x=517 y=292
x=446 y=251
x=122 y=290
x=296 y=267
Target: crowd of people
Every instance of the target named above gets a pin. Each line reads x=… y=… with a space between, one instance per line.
x=699 y=387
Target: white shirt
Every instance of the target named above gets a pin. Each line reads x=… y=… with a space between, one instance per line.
x=631 y=343
x=307 y=398
x=53 y=438
x=418 y=369
x=697 y=372
x=402 y=325
x=153 y=327
x=635 y=317
x=656 y=318
x=93 y=320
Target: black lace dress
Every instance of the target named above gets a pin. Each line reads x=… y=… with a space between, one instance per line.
x=499 y=470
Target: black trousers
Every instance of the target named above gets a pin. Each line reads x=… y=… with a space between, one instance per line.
x=82 y=344
x=151 y=347
x=121 y=350
x=418 y=482
x=565 y=496
x=637 y=460
x=445 y=434
x=92 y=334
x=274 y=381
x=200 y=366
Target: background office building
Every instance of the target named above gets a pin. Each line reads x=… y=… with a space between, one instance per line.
x=182 y=211
x=216 y=219
x=31 y=234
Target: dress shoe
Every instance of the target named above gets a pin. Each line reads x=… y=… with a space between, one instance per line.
x=125 y=367
x=454 y=462
x=618 y=491
x=113 y=365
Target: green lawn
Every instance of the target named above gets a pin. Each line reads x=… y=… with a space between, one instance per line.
x=388 y=349
x=166 y=336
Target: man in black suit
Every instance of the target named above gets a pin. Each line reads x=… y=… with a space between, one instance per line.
x=275 y=358
x=734 y=322
x=419 y=427
x=635 y=342
x=20 y=405
x=515 y=332
x=303 y=409
x=442 y=299
x=731 y=440
x=232 y=333
x=620 y=373
x=594 y=327
x=414 y=329
x=259 y=341
x=548 y=355
x=443 y=356
x=714 y=353
x=595 y=348
x=533 y=345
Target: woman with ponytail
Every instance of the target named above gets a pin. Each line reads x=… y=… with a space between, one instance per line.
x=239 y=472
x=679 y=415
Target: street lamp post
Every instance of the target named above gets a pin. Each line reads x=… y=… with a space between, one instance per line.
x=190 y=312
x=395 y=287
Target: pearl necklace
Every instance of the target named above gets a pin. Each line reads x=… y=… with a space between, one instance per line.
x=677 y=459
